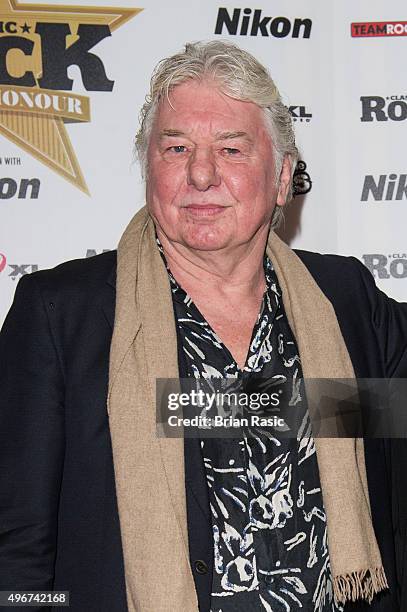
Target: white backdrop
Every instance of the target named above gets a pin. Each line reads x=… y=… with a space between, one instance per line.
x=322 y=76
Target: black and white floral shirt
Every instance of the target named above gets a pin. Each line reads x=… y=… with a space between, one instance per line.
x=268 y=519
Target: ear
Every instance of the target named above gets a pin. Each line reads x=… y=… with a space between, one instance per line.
x=285 y=180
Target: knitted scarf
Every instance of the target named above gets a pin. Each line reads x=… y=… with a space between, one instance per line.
x=149 y=470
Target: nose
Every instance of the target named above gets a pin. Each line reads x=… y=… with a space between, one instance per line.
x=202 y=171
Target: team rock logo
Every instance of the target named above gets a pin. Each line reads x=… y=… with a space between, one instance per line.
x=252 y=22
x=38 y=44
x=384 y=188
x=376 y=108
x=379 y=28
x=386 y=266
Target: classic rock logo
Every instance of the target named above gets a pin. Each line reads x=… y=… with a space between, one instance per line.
x=38 y=43
x=386 y=266
x=378 y=108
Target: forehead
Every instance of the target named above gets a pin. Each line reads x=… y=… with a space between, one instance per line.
x=193 y=105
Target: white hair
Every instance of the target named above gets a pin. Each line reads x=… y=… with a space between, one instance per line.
x=240 y=76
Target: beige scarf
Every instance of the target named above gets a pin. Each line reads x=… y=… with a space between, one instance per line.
x=149 y=470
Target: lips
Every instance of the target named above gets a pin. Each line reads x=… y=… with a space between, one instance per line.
x=2 y=262
x=204 y=210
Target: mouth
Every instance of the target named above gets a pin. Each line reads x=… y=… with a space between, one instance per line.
x=204 y=210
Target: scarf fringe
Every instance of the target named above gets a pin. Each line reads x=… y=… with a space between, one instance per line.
x=364 y=584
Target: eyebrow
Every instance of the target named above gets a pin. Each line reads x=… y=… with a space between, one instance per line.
x=167 y=132
x=218 y=135
x=229 y=135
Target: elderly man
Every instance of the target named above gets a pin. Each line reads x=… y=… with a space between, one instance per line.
x=92 y=501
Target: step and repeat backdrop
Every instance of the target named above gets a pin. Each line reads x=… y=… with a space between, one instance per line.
x=74 y=76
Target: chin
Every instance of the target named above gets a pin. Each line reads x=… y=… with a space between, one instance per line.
x=205 y=239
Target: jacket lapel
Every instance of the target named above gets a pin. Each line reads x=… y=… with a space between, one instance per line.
x=109 y=296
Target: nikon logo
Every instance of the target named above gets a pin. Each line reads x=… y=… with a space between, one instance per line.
x=386 y=187
x=23 y=189
x=252 y=22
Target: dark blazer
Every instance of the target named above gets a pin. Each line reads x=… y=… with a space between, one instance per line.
x=59 y=526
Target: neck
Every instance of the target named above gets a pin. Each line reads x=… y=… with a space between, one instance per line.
x=235 y=273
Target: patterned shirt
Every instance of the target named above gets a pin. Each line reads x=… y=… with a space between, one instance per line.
x=268 y=519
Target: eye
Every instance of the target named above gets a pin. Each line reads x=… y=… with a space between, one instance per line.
x=177 y=149
x=231 y=151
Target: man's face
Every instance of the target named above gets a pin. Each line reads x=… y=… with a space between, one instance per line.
x=211 y=182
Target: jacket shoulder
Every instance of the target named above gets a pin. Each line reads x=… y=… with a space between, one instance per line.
x=337 y=274
x=329 y=262
x=78 y=275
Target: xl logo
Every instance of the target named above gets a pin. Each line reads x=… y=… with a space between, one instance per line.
x=300 y=113
x=21 y=269
x=386 y=266
x=382 y=109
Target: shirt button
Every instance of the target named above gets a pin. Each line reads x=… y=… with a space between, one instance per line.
x=201 y=567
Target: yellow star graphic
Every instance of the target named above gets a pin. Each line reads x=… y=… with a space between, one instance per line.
x=40 y=131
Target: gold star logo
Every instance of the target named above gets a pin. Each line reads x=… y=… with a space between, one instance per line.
x=33 y=112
